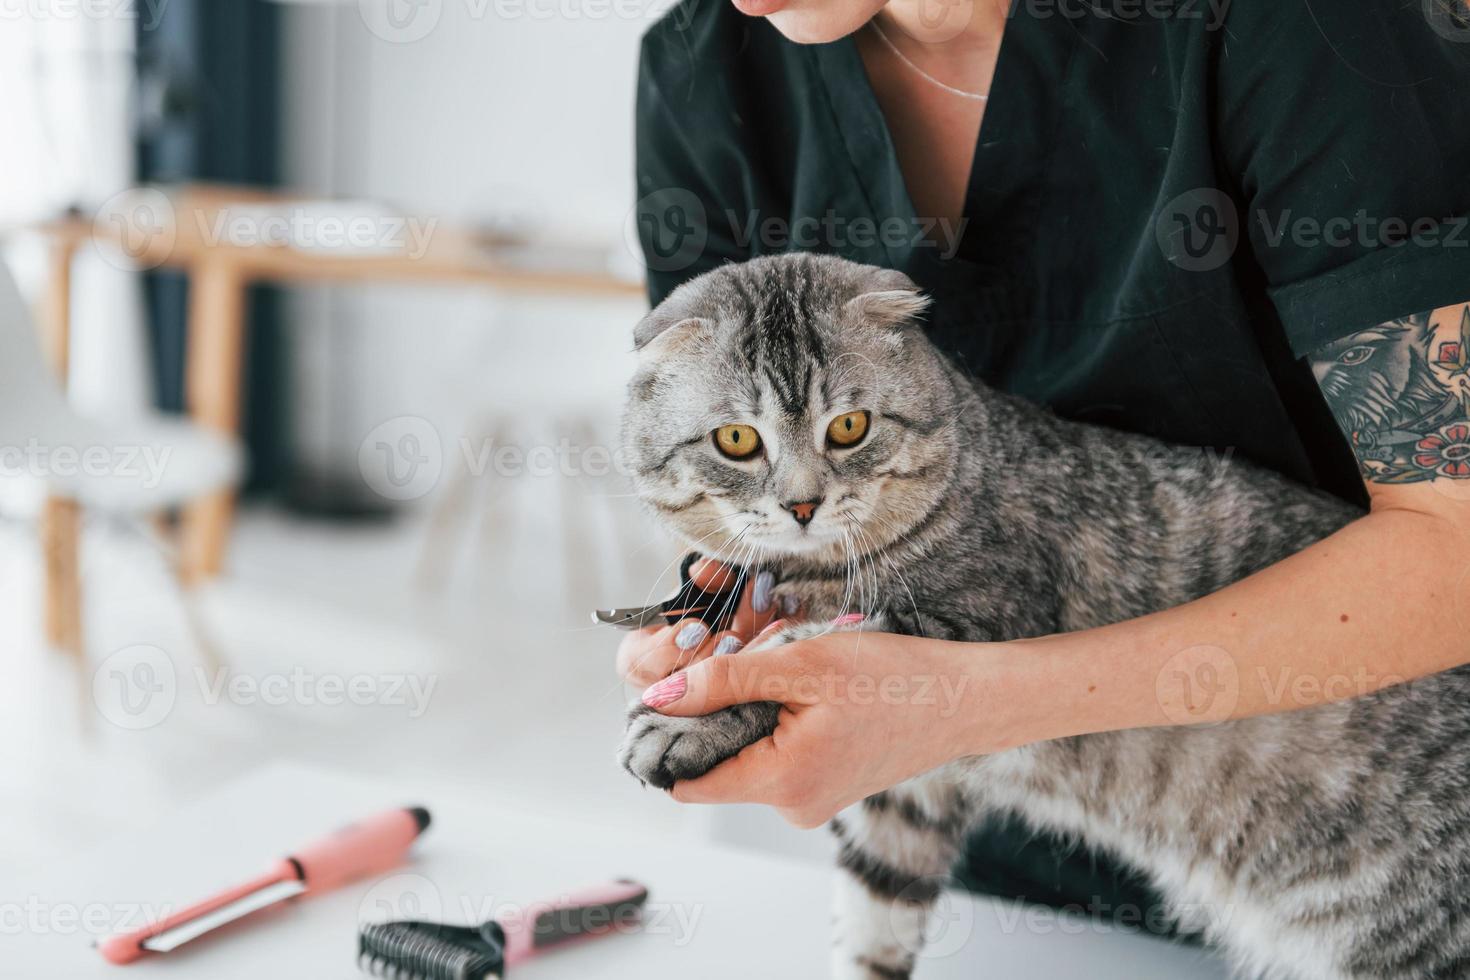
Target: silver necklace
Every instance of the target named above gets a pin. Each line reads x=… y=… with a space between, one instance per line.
x=972 y=96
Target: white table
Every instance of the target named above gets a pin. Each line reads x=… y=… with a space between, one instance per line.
x=714 y=912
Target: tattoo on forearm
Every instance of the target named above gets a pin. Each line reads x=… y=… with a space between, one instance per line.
x=1401 y=393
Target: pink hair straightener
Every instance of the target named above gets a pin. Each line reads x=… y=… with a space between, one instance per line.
x=367 y=847
x=432 y=951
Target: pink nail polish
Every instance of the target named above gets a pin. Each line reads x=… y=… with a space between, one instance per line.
x=775 y=624
x=666 y=691
x=849 y=619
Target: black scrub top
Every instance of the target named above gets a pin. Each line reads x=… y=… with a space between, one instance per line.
x=1172 y=203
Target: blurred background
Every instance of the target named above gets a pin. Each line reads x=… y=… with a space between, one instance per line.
x=343 y=321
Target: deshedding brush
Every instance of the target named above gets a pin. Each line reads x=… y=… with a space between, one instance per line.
x=433 y=951
x=430 y=951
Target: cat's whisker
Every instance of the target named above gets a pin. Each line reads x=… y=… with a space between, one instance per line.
x=868 y=599
x=732 y=601
x=653 y=589
x=897 y=572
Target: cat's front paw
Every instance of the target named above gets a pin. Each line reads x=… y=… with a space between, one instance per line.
x=805 y=630
x=661 y=749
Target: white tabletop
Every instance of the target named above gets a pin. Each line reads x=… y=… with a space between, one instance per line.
x=713 y=912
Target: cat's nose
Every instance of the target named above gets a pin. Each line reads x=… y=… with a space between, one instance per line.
x=804 y=510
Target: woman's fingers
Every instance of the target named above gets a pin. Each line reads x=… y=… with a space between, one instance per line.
x=727 y=643
x=718 y=682
x=758 y=604
x=708 y=573
x=756 y=775
x=647 y=656
x=635 y=654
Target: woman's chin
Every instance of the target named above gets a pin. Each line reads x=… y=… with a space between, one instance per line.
x=811 y=21
x=760 y=8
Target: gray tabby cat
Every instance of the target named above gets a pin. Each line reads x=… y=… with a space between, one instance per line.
x=1325 y=843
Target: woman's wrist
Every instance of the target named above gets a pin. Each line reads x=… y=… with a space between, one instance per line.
x=1010 y=695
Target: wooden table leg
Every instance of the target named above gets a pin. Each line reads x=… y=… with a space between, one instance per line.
x=61 y=550
x=61 y=519
x=217 y=301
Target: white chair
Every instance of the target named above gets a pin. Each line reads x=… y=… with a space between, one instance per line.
x=65 y=463
x=572 y=510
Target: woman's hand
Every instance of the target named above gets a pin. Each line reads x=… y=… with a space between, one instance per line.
x=861 y=712
x=649 y=655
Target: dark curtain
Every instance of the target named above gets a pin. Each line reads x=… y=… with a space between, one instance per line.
x=209 y=76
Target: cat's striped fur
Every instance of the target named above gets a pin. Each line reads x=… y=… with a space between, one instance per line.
x=1323 y=843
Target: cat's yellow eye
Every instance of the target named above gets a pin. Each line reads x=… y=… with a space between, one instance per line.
x=848 y=430
x=737 y=441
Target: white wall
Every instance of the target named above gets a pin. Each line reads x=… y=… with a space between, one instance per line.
x=487 y=111
x=493 y=114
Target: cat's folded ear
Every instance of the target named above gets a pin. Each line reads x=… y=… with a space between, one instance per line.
x=665 y=325
x=888 y=298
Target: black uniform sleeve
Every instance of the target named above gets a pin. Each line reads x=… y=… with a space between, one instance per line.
x=1348 y=127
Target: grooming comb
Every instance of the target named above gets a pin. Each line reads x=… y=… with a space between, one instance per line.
x=432 y=951
x=714 y=608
